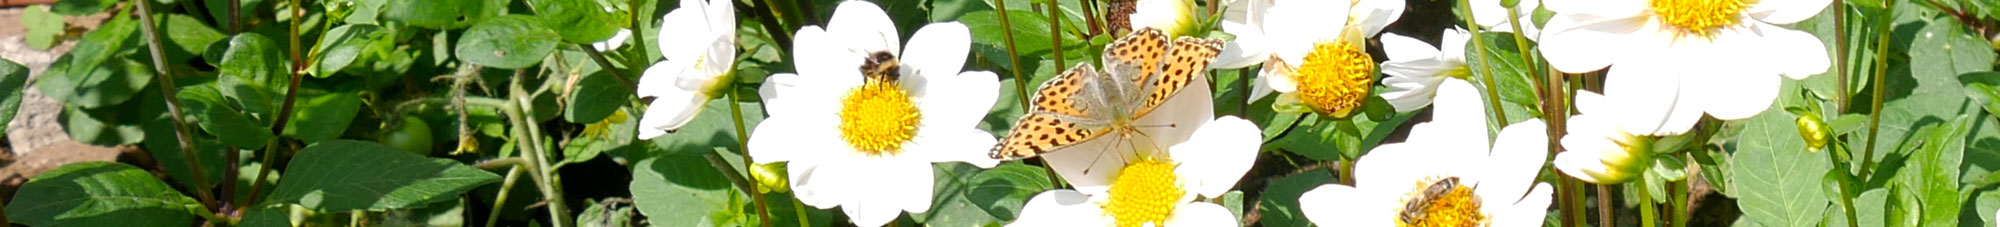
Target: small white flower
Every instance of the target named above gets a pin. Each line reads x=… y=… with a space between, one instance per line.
x=1671 y=61
x=613 y=43
x=1600 y=152
x=866 y=144
x=1174 y=16
x=1415 y=69
x=1493 y=187
x=1157 y=190
x=699 y=43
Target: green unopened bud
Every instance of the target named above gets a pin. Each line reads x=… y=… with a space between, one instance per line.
x=770 y=178
x=1814 y=131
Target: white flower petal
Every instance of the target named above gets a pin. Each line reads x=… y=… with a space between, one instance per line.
x=781 y=139
x=1461 y=113
x=957 y=100
x=669 y=112
x=1576 y=43
x=913 y=182
x=824 y=185
x=1398 y=166
x=1452 y=45
x=1275 y=80
x=1795 y=54
x=1529 y=212
x=1599 y=8
x=1259 y=87
x=721 y=17
x=1489 y=13
x=1379 y=14
x=1061 y=208
x=969 y=145
x=1298 y=24
x=1518 y=155
x=1404 y=48
x=869 y=200
x=1647 y=96
x=817 y=53
x=1201 y=214
x=1582 y=164
x=937 y=49
x=1217 y=155
x=1247 y=49
x=688 y=18
x=1336 y=205
x=1737 y=95
x=617 y=40
x=1786 y=11
x=799 y=173
x=661 y=78
x=1091 y=162
x=863 y=26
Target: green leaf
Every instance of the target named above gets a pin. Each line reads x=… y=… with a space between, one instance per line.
x=224 y=122
x=353 y=175
x=1003 y=190
x=683 y=186
x=596 y=96
x=99 y=194
x=1031 y=37
x=13 y=77
x=1280 y=202
x=342 y=46
x=956 y=198
x=93 y=74
x=82 y=7
x=582 y=21
x=44 y=28
x=1509 y=71
x=508 y=42
x=186 y=36
x=253 y=74
x=439 y=14
x=712 y=128
x=322 y=115
x=1777 y=181
x=112 y=125
x=1931 y=172
x=600 y=213
x=1869 y=208
x=611 y=134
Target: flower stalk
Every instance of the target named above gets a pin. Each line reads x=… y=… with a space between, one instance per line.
x=743 y=142
x=1485 y=65
x=167 y=89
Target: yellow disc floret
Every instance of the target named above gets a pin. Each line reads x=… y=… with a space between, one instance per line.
x=1144 y=192
x=878 y=117
x=1454 y=207
x=1335 y=78
x=1700 y=17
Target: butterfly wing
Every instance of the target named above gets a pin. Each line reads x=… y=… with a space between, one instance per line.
x=1186 y=61
x=1057 y=118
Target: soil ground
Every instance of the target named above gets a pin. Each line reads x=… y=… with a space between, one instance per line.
x=35 y=140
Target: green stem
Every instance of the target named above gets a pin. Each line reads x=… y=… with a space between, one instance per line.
x=1521 y=41
x=1055 y=32
x=1486 y=69
x=525 y=133
x=1604 y=207
x=1678 y=202
x=166 y=82
x=500 y=200
x=1013 y=56
x=1646 y=212
x=602 y=62
x=743 y=143
x=1881 y=75
x=1840 y=53
x=771 y=25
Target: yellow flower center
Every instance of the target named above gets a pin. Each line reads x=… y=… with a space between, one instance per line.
x=1144 y=192
x=1700 y=17
x=877 y=117
x=1440 y=205
x=1335 y=78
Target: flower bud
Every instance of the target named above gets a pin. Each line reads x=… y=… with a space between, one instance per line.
x=1814 y=131
x=769 y=177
